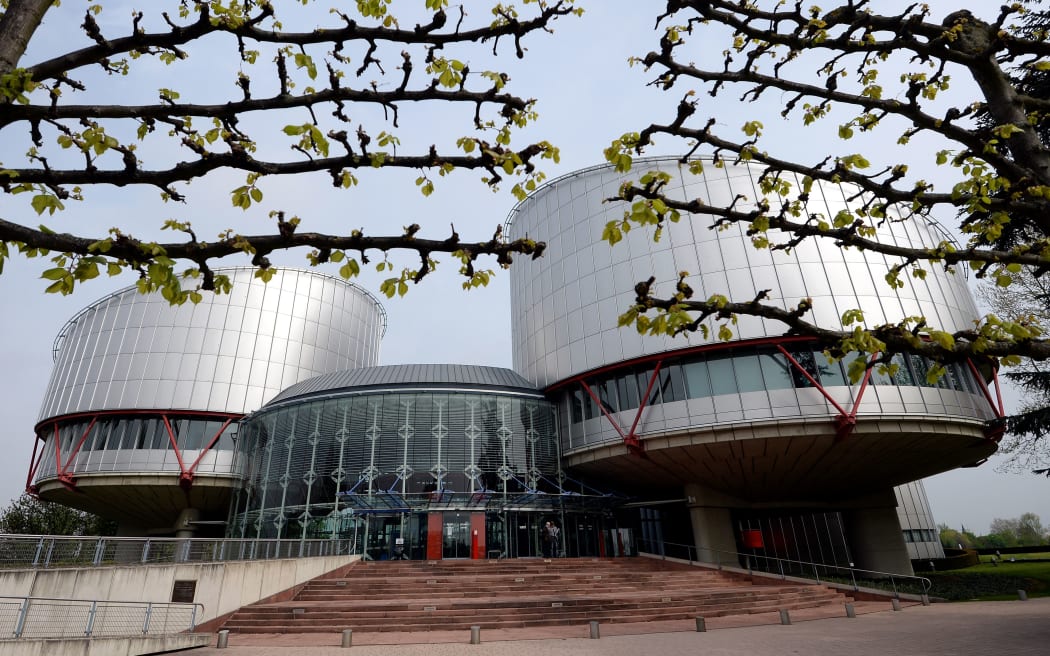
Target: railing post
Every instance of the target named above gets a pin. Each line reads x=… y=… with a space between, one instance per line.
x=193 y=618
x=222 y=550
x=214 y=550
x=893 y=582
x=100 y=549
x=23 y=612
x=145 y=551
x=91 y=619
x=780 y=564
x=145 y=623
x=853 y=577
x=39 y=550
x=50 y=552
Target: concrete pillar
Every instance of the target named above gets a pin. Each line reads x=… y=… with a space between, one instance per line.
x=875 y=537
x=713 y=534
x=183 y=525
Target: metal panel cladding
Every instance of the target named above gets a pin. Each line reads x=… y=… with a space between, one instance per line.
x=565 y=305
x=228 y=353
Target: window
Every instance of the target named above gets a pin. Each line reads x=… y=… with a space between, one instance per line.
x=723 y=380
x=698 y=385
x=672 y=385
x=628 y=391
x=748 y=373
x=775 y=370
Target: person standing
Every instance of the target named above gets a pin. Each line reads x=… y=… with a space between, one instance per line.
x=547 y=539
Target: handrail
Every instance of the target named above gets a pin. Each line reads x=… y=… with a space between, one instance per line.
x=51 y=617
x=736 y=556
x=43 y=551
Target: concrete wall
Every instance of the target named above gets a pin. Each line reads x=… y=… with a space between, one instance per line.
x=104 y=646
x=221 y=587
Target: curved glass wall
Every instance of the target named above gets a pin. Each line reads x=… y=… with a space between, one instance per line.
x=141 y=443
x=721 y=381
x=316 y=466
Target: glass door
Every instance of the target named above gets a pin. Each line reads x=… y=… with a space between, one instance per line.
x=455 y=535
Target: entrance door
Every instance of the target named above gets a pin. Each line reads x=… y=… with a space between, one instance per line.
x=525 y=532
x=455 y=531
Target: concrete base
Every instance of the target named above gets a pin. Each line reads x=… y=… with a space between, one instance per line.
x=221 y=587
x=713 y=534
x=131 y=646
x=876 y=540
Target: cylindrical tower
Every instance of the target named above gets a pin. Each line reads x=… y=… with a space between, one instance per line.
x=759 y=422
x=139 y=419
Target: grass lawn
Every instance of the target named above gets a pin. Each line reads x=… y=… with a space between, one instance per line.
x=988 y=582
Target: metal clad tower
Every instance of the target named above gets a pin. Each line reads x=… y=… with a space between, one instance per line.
x=762 y=430
x=139 y=419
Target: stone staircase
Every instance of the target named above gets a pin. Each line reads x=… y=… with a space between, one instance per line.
x=451 y=594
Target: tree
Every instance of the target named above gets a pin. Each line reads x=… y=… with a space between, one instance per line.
x=1024 y=531
x=862 y=74
x=294 y=88
x=1028 y=301
x=893 y=74
x=28 y=515
x=954 y=539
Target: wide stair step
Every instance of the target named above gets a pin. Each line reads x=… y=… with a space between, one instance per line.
x=443 y=595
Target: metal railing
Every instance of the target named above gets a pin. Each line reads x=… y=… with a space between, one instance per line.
x=18 y=551
x=42 y=617
x=784 y=567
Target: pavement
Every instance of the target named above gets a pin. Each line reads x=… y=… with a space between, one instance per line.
x=1006 y=628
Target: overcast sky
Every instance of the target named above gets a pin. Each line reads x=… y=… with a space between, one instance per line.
x=588 y=96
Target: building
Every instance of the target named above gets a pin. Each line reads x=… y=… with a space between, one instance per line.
x=417 y=461
x=759 y=440
x=757 y=445
x=139 y=420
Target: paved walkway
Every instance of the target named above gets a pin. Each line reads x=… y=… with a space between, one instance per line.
x=1006 y=628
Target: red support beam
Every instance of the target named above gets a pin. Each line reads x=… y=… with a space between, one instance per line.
x=632 y=441
x=193 y=467
x=812 y=381
x=64 y=474
x=34 y=463
x=845 y=424
x=996 y=428
x=185 y=477
x=601 y=406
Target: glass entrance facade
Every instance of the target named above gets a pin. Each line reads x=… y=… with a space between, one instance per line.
x=467 y=454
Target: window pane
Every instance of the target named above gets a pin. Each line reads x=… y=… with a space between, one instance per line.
x=606 y=391
x=644 y=378
x=628 y=389
x=672 y=387
x=748 y=373
x=921 y=367
x=831 y=373
x=806 y=361
x=698 y=385
x=775 y=370
x=723 y=380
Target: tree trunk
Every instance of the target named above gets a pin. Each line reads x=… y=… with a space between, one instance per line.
x=17 y=25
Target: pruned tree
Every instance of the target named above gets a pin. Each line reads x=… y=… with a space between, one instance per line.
x=859 y=74
x=311 y=86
